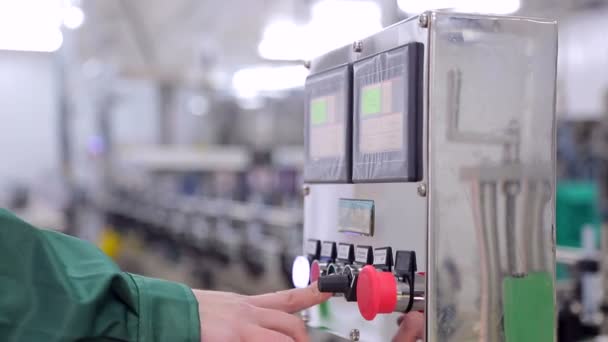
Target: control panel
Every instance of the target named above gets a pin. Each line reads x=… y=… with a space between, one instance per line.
x=328 y=132
x=429 y=180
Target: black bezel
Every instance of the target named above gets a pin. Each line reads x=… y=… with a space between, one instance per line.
x=324 y=170
x=406 y=164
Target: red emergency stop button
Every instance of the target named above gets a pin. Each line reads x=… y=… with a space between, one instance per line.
x=376 y=292
x=315 y=271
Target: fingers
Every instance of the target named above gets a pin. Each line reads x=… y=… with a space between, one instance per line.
x=282 y=322
x=291 y=300
x=254 y=333
x=411 y=328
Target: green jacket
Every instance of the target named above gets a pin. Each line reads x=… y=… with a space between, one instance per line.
x=54 y=287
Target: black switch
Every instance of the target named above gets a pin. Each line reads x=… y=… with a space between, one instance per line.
x=364 y=255
x=405 y=263
x=383 y=258
x=334 y=283
x=346 y=253
x=328 y=251
x=313 y=249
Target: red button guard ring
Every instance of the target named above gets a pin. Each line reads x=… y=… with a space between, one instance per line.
x=315 y=271
x=376 y=292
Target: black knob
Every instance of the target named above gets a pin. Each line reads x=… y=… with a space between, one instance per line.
x=334 y=283
x=405 y=264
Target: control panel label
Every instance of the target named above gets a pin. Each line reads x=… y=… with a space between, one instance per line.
x=311 y=247
x=361 y=254
x=327 y=249
x=343 y=251
x=356 y=216
x=380 y=256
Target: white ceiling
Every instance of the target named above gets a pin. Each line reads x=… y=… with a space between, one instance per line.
x=184 y=36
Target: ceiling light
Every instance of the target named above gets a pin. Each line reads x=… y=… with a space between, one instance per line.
x=30 y=25
x=473 y=6
x=333 y=23
x=73 y=17
x=253 y=81
x=33 y=40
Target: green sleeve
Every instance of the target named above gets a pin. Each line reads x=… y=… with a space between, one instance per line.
x=54 y=287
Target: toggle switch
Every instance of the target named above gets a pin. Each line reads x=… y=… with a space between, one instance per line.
x=405 y=264
x=340 y=284
x=364 y=255
x=383 y=258
x=345 y=256
x=327 y=256
x=313 y=249
x=334 y=283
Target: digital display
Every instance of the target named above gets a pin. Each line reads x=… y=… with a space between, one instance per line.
x=371 y=100
x=318 y=111
x=326 y=128
x=387 y=116
x=381 y=117
x=356 y=216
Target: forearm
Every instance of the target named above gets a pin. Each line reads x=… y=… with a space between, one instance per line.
x=60 y=288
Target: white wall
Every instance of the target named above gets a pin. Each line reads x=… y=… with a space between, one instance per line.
x=28 y=125
x=583 y=65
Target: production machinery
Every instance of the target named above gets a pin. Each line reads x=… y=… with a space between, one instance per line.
x=429 y=180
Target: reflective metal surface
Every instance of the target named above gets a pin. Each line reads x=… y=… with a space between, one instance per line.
x=400 y=222
x=483 y=228
x=491 y=173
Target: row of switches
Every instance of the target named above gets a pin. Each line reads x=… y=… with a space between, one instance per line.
x=360 y=274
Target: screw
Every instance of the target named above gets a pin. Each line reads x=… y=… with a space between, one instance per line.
x=423 y=20
x=307 y=64
x=355 y=335
x=305 y=190
x=422 y=190
x=357 y=46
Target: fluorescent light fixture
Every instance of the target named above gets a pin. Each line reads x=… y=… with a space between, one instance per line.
x=474 y=6
x=282 y=32
x=333 y=23
x=253 y=81
x=32 y=40
x=73 y=17
x=35 y=25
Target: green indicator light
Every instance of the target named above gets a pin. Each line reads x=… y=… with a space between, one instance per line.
x=318 y=111
x=371 y=100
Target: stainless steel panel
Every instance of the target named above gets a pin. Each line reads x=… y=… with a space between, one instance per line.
x=401 y=213
x=491 y=168
x=400 y=222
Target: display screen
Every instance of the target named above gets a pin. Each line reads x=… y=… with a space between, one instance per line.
x=319 y=111
x=326 y=128
x=387 y=116
x=356 y=216
x=381 y=117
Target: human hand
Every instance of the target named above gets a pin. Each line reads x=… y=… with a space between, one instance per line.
x=232 y=317
x=411 y=327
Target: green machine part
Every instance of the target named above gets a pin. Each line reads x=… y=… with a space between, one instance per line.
x=529 y=308
x=576 y=206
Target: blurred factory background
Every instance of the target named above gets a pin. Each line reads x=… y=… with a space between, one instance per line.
x=170 y=132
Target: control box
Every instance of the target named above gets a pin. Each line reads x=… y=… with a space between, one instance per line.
x=430 y=180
